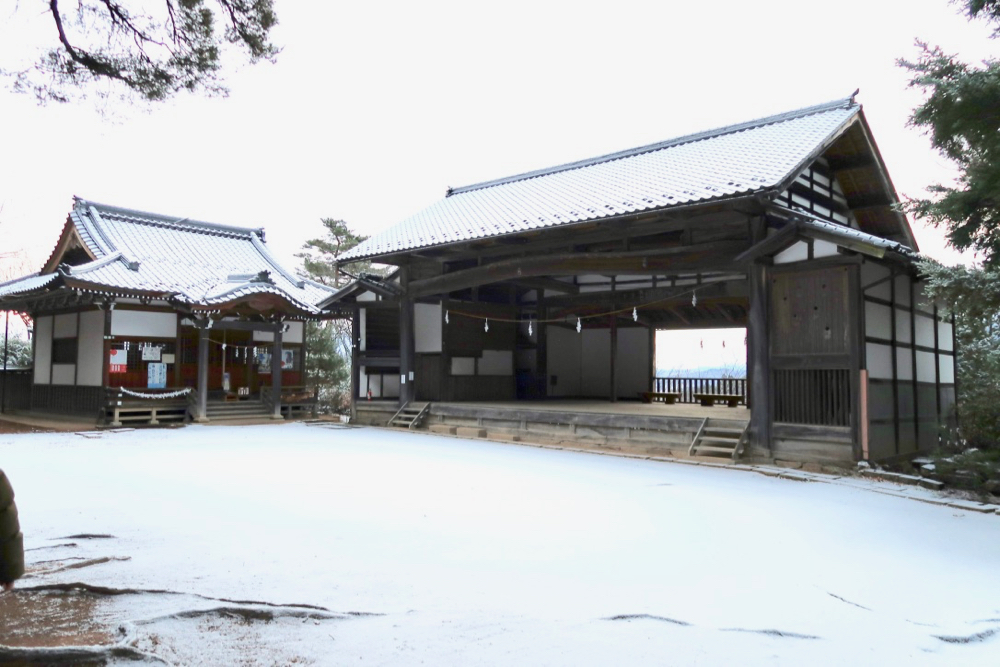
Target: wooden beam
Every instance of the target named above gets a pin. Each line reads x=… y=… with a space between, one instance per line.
x=729 y=288
x=678 y=315
x=550 y=284
x=562 y=237
x=234 y=325
x=711 y=256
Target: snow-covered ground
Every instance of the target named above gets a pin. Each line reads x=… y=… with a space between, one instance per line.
x=287 y=544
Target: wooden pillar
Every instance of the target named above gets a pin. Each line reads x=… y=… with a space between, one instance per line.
x=760 y=361
x=276 y=371
x=203 y=374
x=178 y=353
x=614 y=356
x=895 y=364
x=106 y=364
x=355 y=366
x=541 y=345
x=856 y=311
x=651 y=372
x=407 y=345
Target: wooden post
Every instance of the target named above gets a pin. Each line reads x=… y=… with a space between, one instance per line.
x=895 y=370
x=276 y=371
x=203 y=374
x=614 y=358
x=106 y=364
x=407 y=344
x=651 y=372
x=541 y=345
x=760 y=357
x=355 y=366
x=856 y=304
x=178 y=348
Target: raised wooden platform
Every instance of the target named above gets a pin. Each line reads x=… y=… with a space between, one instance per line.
x=627 y=426
x=655 y=429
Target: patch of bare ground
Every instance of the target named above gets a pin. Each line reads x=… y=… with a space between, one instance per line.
x=40 y=619
x=9 y=427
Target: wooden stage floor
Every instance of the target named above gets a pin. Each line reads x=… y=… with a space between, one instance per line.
x=620 y=408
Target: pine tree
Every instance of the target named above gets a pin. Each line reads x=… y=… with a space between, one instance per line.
x=146 y=51
x=961 y=114
x=329 y=342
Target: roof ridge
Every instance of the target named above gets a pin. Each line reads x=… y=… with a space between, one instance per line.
x=158 y=219
x=669 y=143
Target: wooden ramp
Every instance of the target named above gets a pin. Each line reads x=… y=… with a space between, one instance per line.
x=718 y=436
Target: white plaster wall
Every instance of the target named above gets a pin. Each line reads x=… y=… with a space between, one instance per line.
x=879 y=358
x=463 y=365
x=633 y=362
x=904 y=364
x=427 y=320
x=595 y=362
x=367 y=296
x=496 y=362
x=90 y=350
x=43 y=349
x=925 y=366
x=946 y=364
x=925 y=331
x=903 y=290
x=903 y=318
x=563 y=361
x=871 y=273
x=878 y=320
x=64 y=326
x=362 y=328
x=365 y=383
x=143 y=323
x=63 y=373
x=944 y=336
x=824 y=249
x=797 y=252
x=295 y=334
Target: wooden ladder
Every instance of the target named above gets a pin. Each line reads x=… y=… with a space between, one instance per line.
x=407 y=416
x=719 y=439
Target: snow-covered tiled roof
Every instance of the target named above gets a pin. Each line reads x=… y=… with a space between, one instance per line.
x=25 y=285
x=193 y=262
x=734 y=161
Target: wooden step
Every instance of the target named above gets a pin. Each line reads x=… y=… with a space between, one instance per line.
x=709 y=440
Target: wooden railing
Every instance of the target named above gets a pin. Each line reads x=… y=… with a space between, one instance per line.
x=688 y=387
x=817 y=396
x=295 y=400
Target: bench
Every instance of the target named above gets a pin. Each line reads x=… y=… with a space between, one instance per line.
x=667 y=397
x=709 y=400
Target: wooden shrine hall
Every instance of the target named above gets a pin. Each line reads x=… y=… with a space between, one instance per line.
x=146 y=318
x=518 y=302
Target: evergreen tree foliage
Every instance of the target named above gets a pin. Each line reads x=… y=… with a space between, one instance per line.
x=961 y=114
x=329 y=342
x=973 y=296
x=145 y=50
x=18 y=351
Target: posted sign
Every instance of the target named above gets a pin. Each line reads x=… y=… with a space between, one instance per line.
x=118 y=363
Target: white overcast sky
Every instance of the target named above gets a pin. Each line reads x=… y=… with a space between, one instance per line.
x=375 y=108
